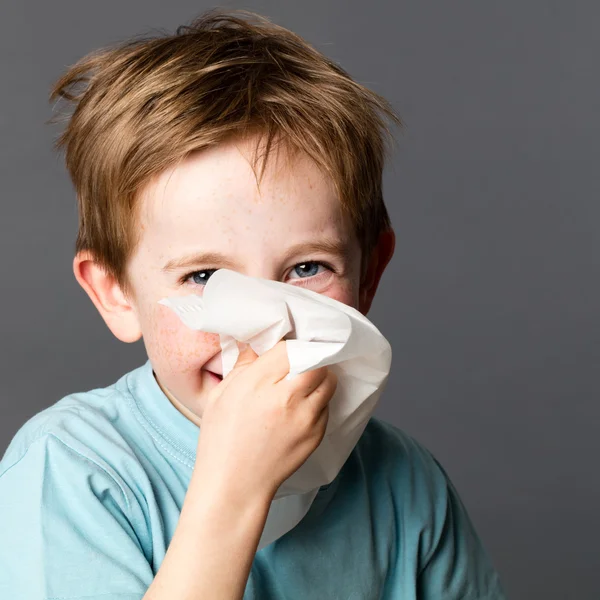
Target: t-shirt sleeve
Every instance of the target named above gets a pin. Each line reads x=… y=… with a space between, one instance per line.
x=456 y=567
x=67 y=529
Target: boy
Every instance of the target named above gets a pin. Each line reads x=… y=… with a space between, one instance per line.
x=112 y=493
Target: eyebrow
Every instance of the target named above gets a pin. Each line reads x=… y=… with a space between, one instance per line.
x=329 y=246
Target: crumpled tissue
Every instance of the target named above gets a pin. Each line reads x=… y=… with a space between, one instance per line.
x=319 y=331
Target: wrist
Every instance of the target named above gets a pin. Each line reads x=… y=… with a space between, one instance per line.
x=223 y=489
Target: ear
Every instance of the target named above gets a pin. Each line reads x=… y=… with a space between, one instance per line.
x=118 y=312
x=380 y=257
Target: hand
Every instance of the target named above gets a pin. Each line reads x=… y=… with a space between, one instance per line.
x=258 y=428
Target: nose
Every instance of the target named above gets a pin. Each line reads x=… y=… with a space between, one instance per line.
x=262 y=268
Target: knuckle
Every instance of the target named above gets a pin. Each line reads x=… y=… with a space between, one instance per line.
x=308 y=419
x=286 y=400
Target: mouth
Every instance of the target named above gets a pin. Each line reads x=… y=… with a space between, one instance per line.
x=216 y=376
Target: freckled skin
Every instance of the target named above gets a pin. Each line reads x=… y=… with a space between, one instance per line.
x=211 y=202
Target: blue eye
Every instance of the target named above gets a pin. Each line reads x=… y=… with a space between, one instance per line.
x=308 y=268
x=313 y=264
x=193 y=275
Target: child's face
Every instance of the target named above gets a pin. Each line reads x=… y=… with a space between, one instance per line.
x=211 y=203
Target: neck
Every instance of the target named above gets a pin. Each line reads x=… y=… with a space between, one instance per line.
x=186 y=412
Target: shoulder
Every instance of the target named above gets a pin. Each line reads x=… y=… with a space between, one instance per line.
x=79 y=447
x=70 y=490
x=381 y=434
x=390 y=450
x=82 y=430
x=399 y=468
x=447 y=554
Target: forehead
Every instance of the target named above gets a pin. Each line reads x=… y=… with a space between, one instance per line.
x=217 y=189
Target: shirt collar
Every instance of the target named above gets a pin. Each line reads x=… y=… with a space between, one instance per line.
x=160 y=414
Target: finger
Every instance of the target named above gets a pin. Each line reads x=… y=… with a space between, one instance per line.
x=322 y=395
x=306 y=383
x=275 y=364
x=318 y=426
x=246 y=355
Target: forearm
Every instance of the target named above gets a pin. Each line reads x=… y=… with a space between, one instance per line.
x=212 y=549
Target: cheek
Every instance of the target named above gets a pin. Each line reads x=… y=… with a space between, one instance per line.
x=176 y=347
x=345 y=292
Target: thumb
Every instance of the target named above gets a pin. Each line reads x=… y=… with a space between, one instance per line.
x=246 y=355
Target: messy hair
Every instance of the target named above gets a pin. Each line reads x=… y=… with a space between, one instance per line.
x=143 y=105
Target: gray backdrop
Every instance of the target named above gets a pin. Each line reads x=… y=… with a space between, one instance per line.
x=491 y=299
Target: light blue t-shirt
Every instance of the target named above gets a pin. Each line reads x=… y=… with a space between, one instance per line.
x=91 y=490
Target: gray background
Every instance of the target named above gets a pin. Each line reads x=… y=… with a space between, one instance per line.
x=491 y=299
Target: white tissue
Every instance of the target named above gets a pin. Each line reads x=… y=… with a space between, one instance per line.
x=319 y=331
